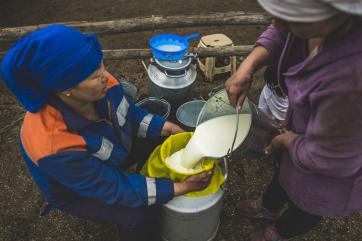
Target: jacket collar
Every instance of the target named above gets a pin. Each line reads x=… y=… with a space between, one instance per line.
x=72 y=119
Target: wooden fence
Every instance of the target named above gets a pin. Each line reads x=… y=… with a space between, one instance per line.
x=153 y=23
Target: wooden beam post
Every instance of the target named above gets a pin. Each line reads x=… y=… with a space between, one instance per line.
x=149 y=23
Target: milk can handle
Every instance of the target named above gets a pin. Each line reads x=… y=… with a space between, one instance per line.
x=193 y=56
x=191 y=36
x=226 y=168
x=175 y=76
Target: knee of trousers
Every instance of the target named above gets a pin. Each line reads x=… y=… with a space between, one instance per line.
x=141 y=219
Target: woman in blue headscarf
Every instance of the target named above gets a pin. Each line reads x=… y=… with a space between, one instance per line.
x=78 y=136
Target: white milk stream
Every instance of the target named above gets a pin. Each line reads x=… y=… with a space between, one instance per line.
x=213 y=138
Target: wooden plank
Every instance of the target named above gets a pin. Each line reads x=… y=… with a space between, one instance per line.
x=124 y=54
x=148 y=23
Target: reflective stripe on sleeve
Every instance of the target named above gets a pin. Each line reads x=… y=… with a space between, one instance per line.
x=144 y=125
x=105 y=150
x=151 y=190
x=122 y=110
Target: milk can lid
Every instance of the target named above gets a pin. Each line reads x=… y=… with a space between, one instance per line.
x=174 y=65
x=162 y=79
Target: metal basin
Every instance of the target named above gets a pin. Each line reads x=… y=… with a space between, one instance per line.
x=188 y=113
x=156 y=106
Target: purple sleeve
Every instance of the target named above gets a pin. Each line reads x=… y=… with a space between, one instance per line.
x=273 y=40
x=333 y=139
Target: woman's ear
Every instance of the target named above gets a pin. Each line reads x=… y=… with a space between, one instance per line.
x=63 y=94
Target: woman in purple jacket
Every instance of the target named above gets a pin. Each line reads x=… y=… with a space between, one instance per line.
x=316 y=47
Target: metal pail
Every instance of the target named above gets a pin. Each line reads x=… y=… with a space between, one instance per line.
x=188 y=113
x=193 y=218
x=156 y=106
x=173 y=88
x=262 y=128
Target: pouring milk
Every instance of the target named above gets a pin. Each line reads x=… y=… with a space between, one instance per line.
x=213 y=138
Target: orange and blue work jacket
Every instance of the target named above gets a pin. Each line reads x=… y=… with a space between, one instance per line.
x=71 y=157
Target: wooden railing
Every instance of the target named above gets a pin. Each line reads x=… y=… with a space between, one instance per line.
x=153 y=23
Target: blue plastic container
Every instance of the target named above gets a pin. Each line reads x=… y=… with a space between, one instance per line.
x=170 y=47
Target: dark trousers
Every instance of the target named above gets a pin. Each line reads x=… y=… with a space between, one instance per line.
x=142 y=149
x=134 y=224
x=293 y=221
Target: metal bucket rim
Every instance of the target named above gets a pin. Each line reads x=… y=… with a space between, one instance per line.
x=159 y=100
x=183 y=106
x=252 y=115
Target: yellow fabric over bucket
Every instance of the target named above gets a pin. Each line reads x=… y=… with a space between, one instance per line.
x=156 y=165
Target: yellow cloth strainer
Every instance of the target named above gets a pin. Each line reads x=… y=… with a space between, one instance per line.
x=156 y=165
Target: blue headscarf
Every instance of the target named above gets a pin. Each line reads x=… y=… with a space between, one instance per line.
x=53 y=58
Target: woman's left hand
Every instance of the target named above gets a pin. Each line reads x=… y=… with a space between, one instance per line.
x=282 y=140
x=170 y=128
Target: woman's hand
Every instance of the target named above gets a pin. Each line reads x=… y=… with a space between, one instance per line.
x=238 y=85
x=170 y=128
x=193 y=183
x=281 y=141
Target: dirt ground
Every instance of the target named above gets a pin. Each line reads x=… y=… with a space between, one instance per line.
x=21 y=201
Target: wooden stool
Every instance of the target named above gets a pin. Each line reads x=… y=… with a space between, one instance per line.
x=208 y=67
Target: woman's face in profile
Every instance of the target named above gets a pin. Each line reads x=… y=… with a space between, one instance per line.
x=92 y=88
